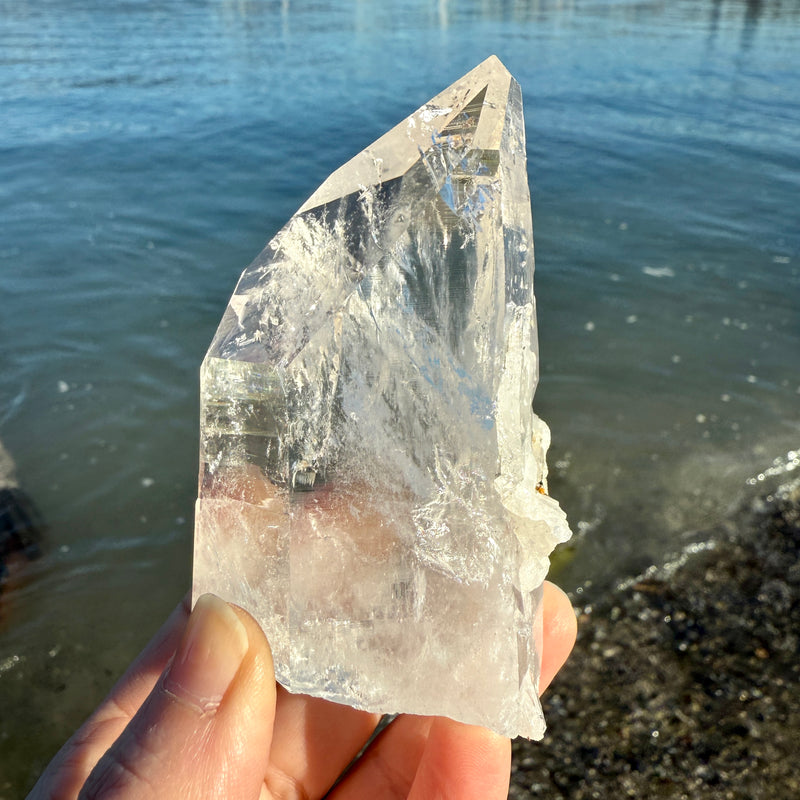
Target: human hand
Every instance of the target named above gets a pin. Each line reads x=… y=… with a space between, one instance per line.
x=199 y=715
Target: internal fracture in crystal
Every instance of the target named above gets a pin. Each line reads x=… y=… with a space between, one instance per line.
x=373 y=477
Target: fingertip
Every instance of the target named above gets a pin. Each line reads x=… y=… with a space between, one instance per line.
x=474 y=759
x=560 y=630
x=244 y=722
x=209 y=655
x=259 y=646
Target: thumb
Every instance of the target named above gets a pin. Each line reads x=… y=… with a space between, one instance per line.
x=206 y=728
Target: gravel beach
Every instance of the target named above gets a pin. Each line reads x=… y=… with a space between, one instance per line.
x=685 y=682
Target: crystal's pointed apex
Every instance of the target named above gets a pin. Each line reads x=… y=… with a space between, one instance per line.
x=494 y=62
x=398 y=150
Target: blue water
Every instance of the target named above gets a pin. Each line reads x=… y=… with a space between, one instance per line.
x=148 y=150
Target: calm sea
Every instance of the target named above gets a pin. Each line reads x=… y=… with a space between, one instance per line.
x=149 y=149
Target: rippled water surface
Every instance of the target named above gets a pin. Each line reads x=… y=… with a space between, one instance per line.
x=148 y=150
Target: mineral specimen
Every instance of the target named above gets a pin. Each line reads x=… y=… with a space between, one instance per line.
x=372 y=483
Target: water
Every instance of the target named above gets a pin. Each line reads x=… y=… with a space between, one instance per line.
x=148 y=150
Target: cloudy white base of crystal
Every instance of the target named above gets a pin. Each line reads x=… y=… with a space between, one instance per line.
x=373 y=477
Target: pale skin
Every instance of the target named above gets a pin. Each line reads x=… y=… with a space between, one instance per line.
x=198 y=715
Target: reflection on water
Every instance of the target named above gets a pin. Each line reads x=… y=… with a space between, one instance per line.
x=148 y=151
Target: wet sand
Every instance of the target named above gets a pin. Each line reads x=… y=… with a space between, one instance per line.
x=684 y=683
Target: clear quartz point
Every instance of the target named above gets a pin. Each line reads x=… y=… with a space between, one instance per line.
x=373 y=477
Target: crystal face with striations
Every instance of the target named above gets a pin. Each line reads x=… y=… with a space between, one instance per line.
x=372 y=485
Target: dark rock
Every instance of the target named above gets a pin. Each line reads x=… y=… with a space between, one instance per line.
x=20 y=527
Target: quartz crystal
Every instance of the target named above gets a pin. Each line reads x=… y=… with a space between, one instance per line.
x=373 y=480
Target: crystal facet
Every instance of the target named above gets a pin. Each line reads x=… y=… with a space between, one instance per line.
x=373 y=478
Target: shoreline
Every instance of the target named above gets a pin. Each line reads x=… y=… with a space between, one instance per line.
x=683 y=683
